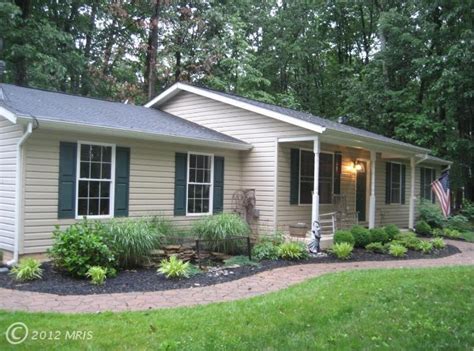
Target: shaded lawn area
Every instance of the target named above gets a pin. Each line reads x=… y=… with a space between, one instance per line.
x=410 y=309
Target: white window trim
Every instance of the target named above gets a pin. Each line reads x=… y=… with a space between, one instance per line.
x=299 y=176
x=112 y=181
x=422 y=191
x=391 y=178
x=211 y=188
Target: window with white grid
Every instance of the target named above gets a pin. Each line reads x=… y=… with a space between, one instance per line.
x=199 y=184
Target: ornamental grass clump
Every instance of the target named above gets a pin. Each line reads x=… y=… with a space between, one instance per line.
x=27 y=269
x=342 y=250
x=132 y=240
x=218 y=231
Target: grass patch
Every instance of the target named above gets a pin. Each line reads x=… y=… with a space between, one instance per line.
x=403 y=309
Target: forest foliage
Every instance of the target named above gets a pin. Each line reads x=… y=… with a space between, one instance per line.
x=399 y=68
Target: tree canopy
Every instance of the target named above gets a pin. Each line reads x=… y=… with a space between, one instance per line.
x=399 y=68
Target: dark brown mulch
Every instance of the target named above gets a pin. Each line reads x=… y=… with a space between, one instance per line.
x=146 y=279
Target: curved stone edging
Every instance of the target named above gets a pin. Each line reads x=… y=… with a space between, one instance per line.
x=258 y=284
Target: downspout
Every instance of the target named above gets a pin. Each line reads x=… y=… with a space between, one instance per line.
x=18 y=192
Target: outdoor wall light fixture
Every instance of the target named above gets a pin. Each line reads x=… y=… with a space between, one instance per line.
x=358 y=166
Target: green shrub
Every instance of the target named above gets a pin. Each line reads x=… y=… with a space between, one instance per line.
x=240 y=261
x=27 y=269
x=132 y=240
x=175 y=268
x=392 y=231
x=81 y=246
x=265 y=250
x=378 y=235
x=293 y=250
x=361 y=236
x=452 y=233
x=397 y=250
x=344 y=236
x=217 y=228
x=431 y=214
x=342 y=250
x=458 y=222
x=408 y=240
x=97 y=275
x=437 y=232
x=438 y=243
x=423 y=228
x=376 y=247
x=468 y=209
x=425 y=247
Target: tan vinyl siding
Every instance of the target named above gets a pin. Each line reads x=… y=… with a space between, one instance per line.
x=9 y=136
x=151 y=181
x=258 y=164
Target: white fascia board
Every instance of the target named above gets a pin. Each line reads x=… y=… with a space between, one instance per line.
x=9 y=115
x=127 y=133
x=298 y=138
x=173 y=90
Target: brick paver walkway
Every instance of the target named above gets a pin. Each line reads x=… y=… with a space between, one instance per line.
x=258 y=284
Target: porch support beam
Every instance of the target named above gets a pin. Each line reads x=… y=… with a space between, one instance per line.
x=411 y=215
x=373 y=157
x=315 y=203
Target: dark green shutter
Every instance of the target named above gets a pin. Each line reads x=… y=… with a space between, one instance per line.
x=422 y=183
x=388 y=181
x=294 y=176
x=403 y=185
x=337 y=172
x=181 y=169
x=67 y=180
x=218 y=198
x=122 y=180
x=433 y=197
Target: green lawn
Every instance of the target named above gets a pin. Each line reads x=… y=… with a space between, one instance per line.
x=404 y=309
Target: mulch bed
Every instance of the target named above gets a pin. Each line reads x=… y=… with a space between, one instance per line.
x=146 y=279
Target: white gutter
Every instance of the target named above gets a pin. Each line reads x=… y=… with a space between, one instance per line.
x=422 y=159
x=18 y=192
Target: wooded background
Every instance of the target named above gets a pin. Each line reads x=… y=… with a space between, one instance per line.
x=404 y=69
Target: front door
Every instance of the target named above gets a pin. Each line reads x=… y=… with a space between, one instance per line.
x=361 y=191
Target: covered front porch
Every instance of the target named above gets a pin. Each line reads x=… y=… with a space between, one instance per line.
x=339 y=183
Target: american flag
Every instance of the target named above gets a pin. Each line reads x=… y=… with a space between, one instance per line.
x=441 y=188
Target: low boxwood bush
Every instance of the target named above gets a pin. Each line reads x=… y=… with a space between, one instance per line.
x=458 y=222
x=344 y=236
x=265 y=250
x=27 y=269
x=392 y=231
x=132 y=240
x=217 y=229
x=409 y=240
x=438 y=243
x=378 y=235
x=175 y=268
x=423 y=228
x=342 y=250
x=431 y=214
x=361 y=236
x=97 y=275
x=293 y=250
x=397 y=250
x=376 y=247
x=425 y=247
x=80 y=247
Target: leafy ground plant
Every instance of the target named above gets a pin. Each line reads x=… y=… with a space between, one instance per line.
x=293 y=250
x=342 y=250
x=397 y=250
x=438 y=243
x=425 y=246
x=175 y=268
x=27 y=269
x=265 y=250
x=376 y=247
x=97 y=275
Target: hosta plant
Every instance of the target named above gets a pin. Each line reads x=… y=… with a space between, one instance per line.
x=27 y=269
x=293 y=250
x=425 y=247
x=175 y=268
x=438 y=243
x=97 y=275
x=376 y=247
x=342 y=250
x=397 y=250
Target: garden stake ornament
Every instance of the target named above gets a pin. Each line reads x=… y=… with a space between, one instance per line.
x=314 y=244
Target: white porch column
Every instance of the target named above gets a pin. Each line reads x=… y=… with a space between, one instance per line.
x=373 y=157
x=411 y=215
x=315 y=203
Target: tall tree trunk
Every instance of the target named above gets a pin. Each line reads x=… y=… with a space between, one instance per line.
x=20 y=63
x=85 y=81
x=150 y=62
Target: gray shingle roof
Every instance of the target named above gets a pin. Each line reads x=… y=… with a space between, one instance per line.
x=307 y=117
x=60 y=107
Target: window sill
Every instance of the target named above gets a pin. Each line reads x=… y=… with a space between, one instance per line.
x=95 y=217
x=198 y=214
